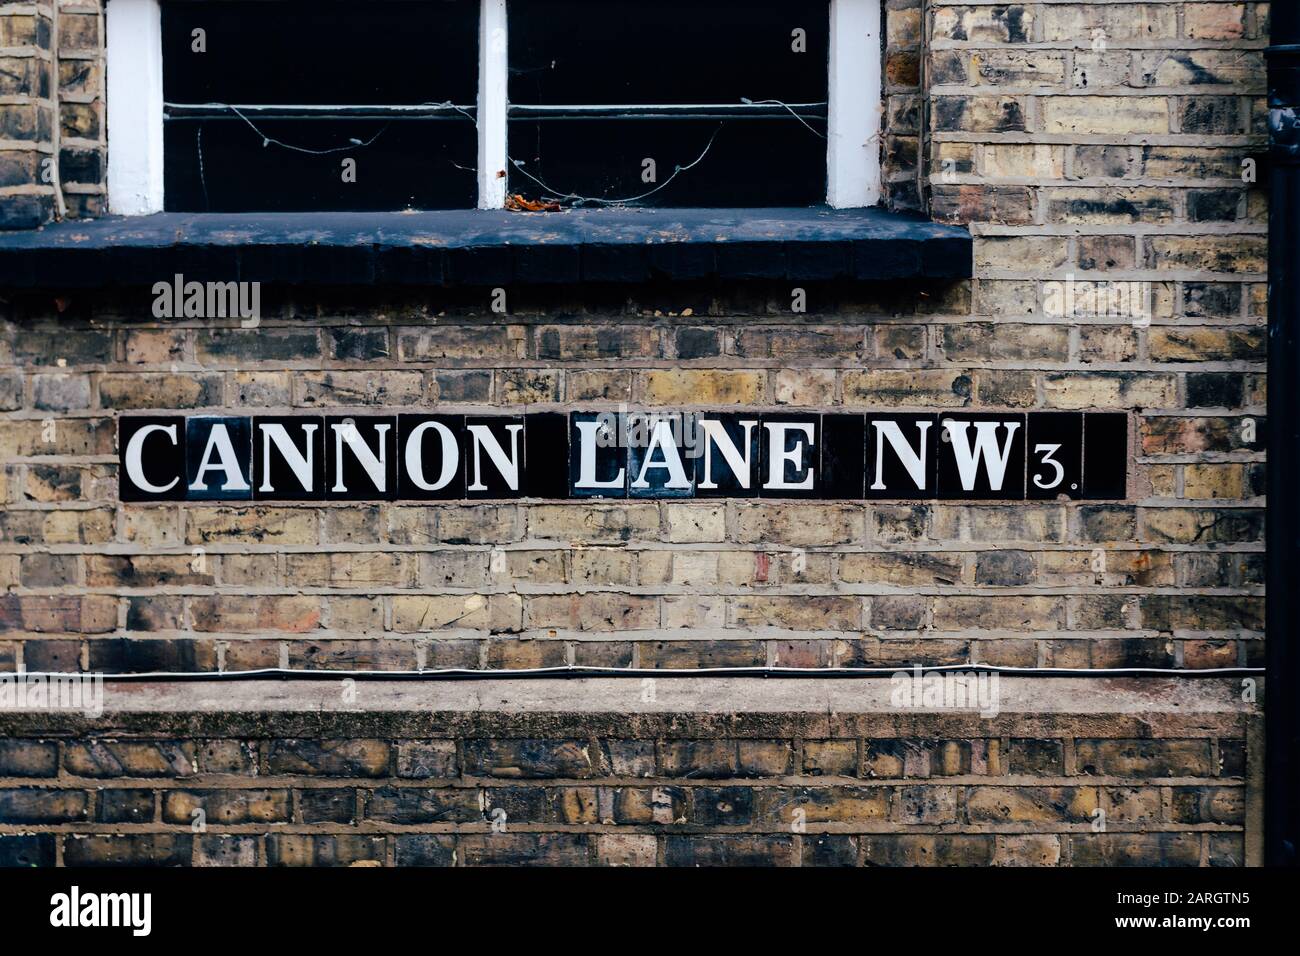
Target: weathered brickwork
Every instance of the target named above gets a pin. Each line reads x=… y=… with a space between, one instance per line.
x=1101 y=153
x=51 y=112
x=82 y=130
x=672 y=789
x=1170 y=578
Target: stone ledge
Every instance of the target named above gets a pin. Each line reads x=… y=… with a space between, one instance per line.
x=614 y=707
x=486 y=247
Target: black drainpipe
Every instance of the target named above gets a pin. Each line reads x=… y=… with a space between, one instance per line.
x=1282 y=728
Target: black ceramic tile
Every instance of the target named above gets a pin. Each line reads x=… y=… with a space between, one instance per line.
x=597 y=455
x=714 y=475
x=847 y=456
x=218 y=458
x=1105 y=455
x=429 y=465
x=789 y=454
x=295 y=472
x=1055 y=448
x=360 y=457
x=156 y=459
x=546 y=455
x=889 y=471
x=844 y=456
x=493 y=451
x=657 y=466
x=992 y=450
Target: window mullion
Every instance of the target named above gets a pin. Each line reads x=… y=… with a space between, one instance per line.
x=133 y=34
x=853 y=120
x=493 y=77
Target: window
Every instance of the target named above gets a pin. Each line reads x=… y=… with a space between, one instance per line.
x=282 y=94
x=296 y=105
x=669 y=103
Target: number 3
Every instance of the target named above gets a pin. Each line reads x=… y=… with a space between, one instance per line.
x=1047 y=452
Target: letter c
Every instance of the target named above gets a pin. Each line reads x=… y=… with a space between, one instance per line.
x=135 y=466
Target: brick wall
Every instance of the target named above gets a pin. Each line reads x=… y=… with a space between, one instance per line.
x=496 y=774
x=82 y=132
x=1171 y=578
x=51 y=101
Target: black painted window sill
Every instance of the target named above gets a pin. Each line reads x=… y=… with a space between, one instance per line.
x=486 y=248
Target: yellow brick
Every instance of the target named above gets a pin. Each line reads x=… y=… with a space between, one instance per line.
x=1110 y=391
x=1105 y=114
x=695 y=523
x=1030 y=161
x=884 y=388
x=262 y=526
x=1214 y=481
x=809 y=386
x=703 y=387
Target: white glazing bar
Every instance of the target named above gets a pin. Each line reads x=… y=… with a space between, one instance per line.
x=133 y=30
x=492 y=81
x=854 y=107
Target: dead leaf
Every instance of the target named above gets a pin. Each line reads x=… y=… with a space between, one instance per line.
x=519 y=203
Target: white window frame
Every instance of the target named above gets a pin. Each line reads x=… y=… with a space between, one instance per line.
x=133 y=31
x=134 y=106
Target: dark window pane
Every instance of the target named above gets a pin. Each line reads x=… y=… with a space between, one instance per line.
x=666 y=51
x=291 y=53
x=322 y=51
x=412 y=163
x=751 y=162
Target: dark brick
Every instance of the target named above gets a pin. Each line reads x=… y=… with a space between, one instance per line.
x=33 y=805
x=226 y=850
x=1035 y=757
x=137 y=656
x=1215 y=389
x=722 y=806
x=826 y=849
x=124 y=806
x=1210 y=115
x=155 y=613
x=1007 y=568
x=327 y=806
x=299 y=849
x=1213 y=205
x=698 y=343
x=359 y=344
x=27 y=850
x=426 y=849
x=257 y=345
x=424 y=759
x=331 y=758
x=927 y=850
x=420 y=805
x=739 y=850
x=1135 y=849
x=524 y=849
x=529 y=758
x=52 y=656
x=81 y=166
x=28 y=758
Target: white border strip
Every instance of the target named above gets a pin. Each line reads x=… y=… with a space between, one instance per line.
x=853 y=128
x=493 y=76
x=133 y=31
